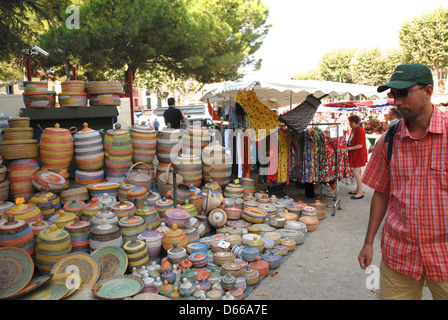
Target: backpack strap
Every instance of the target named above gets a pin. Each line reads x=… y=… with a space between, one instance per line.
x=389 y=138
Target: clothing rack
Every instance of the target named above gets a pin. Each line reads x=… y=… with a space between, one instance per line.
x=336 y=199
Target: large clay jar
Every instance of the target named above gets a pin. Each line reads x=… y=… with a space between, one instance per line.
x=56 y=148
x=189 y=166
x=216 y=164
x=51 y=245
x=88 y=149
x=117 y=153
x=144 y=143
x=17 y=233
x=137 y=254
x=174 y=235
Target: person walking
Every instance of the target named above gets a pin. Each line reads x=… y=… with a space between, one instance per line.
x=357 y=153
x=410 y=185
x=394 y=117
x=172 y=115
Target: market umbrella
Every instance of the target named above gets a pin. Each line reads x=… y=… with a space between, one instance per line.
x=282 y=93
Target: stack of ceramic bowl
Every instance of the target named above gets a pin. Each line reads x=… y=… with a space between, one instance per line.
x=104 y=93
x=36 y=95
x=21 y=151
x=72 y=94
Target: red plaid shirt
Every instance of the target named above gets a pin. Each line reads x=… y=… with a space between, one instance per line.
x=415 y=231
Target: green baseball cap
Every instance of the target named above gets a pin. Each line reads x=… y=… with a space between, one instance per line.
x=407 y=75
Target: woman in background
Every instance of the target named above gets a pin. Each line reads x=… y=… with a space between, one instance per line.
x=357 y=153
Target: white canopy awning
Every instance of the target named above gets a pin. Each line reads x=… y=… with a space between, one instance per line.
x=290 y=92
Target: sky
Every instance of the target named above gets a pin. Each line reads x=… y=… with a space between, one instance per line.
x=303 y=31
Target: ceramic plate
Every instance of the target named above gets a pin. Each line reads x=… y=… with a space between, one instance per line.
x=118 y=288
x=72 y=281
x=81 y=263
x=33 y=285
x=16 y=270
x=50 y=291
x=112 y=259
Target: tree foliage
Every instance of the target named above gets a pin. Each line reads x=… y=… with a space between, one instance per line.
x=373 y=66
x=335 y=65
x=207 y=40
x=424 y=39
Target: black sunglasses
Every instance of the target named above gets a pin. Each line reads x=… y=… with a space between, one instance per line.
x=402 y=93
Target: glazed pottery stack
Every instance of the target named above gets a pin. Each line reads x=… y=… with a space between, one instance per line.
x=37 y=95
x=117 y=153
x=56 y=150
x=89 y=156
x=73 y=94
x=20 y=150
x=195 y=139
x=144 y=144
x=4 y=184
x=216 y=164
x=104 y=93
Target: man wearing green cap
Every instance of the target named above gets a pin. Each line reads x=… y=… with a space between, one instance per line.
x=411 y=191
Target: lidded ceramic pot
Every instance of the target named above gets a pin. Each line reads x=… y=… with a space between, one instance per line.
x=251 y=275
x=51 y=245
x=274 y=259
x=131 y=227
x=217 y=217
x=111 y=218
x=174 y=235
x=106 y=200
x=176 y=254
x=27 y=212
x=104 y=235
x=89 y=210
x=17 y=233
x=176 y=216
x=74 y=206
x=149 y=214
x=233 y=213
x=261 y=266
x=250 y=253
x=123 y=208
x=153 y=241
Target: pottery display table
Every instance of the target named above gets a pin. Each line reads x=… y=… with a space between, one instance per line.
x=98 y=117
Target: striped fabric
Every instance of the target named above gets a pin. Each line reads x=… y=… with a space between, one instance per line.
x=415 y=232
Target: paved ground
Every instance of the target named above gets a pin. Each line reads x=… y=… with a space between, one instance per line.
x=325 y=266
